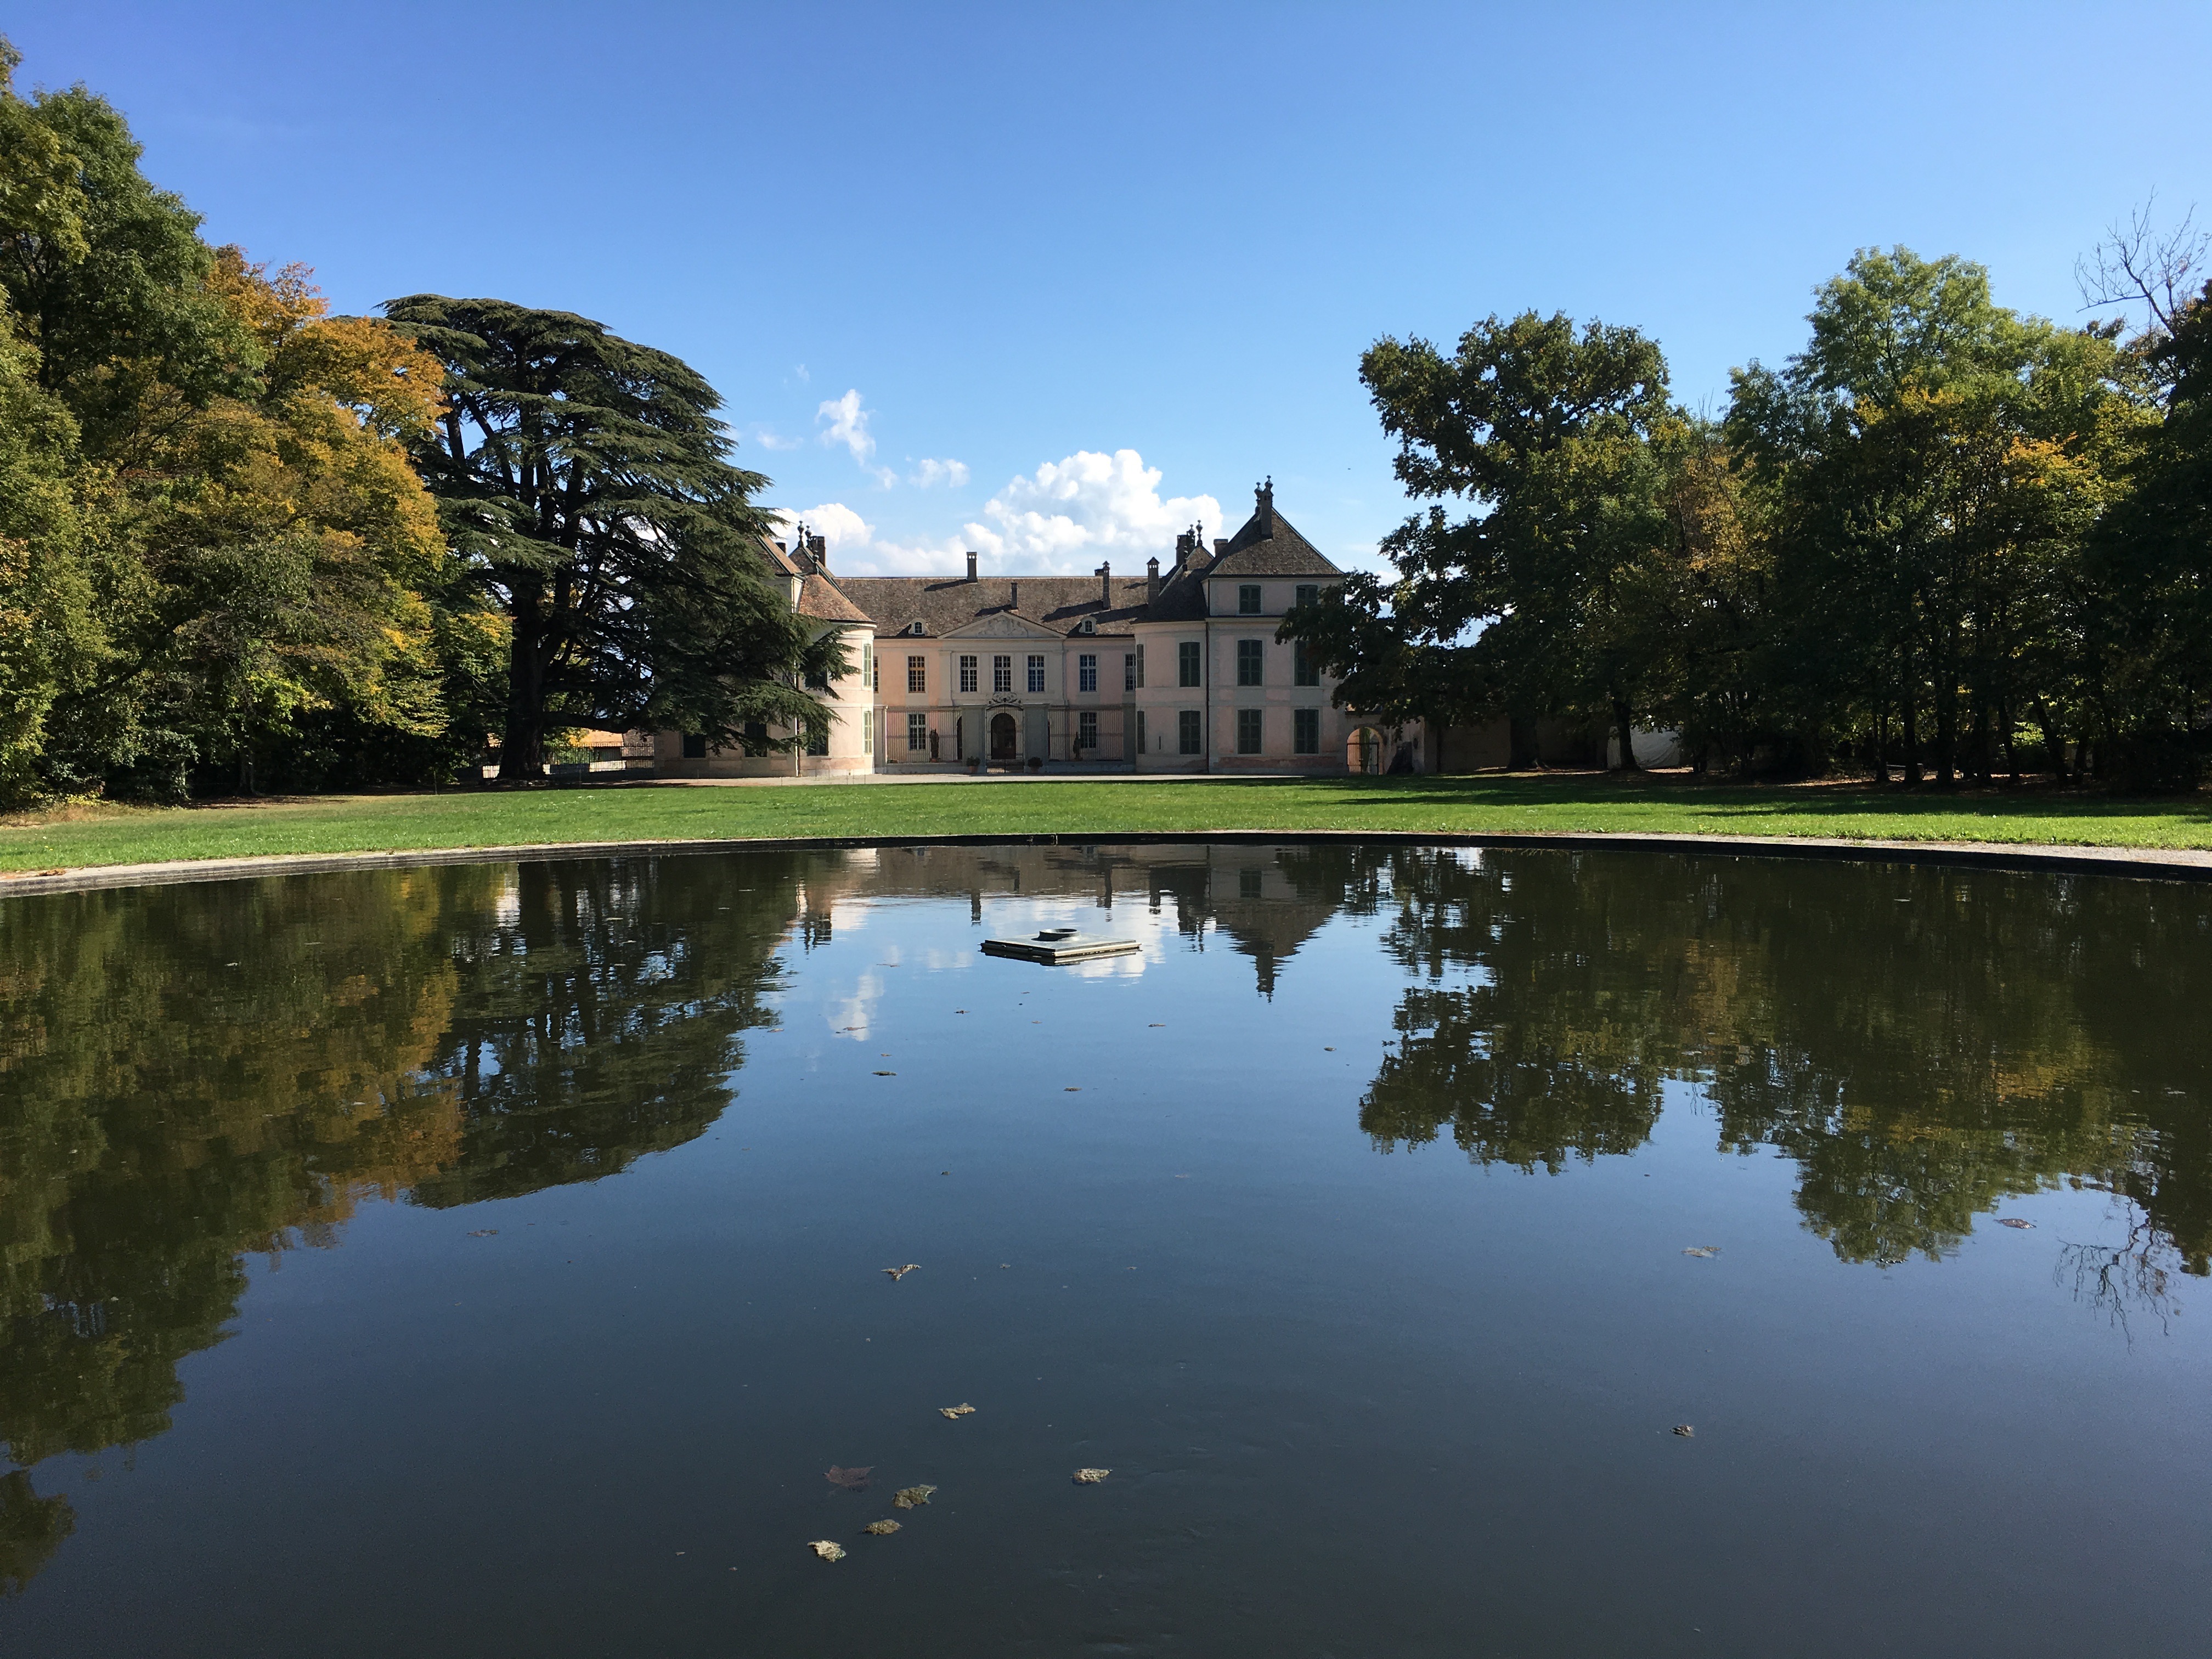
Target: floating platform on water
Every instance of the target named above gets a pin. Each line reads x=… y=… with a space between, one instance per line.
x=1056 y=945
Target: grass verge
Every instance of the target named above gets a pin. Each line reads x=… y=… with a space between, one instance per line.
x=1480 y=804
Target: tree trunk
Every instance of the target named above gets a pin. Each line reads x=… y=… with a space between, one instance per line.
x=2053 y=739
x=1625 y=728
x=1909 y=697
x=522 y=749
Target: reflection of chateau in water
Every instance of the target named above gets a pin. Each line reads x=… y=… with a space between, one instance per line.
x=189 y=1075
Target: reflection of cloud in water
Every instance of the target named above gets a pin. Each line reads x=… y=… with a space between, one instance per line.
x=857 y=1010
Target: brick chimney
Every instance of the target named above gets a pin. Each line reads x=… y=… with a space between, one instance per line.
x=971 y=567
x=1220 y=545
x=1106 y=584
x=819 y=547
x=1151 y=581
x=1013 y=596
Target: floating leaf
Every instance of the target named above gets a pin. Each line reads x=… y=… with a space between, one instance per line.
x=827 y=1551
x=1703 y=1250
x=850 y=1480
x=912 y=1498
x=961 y=1410
x=1072 y=1089
x=2013 y=1221
x=898 y=1273
x=485 y=1232
x=1685 y=1432
x=887 y=1074
x=1090 y=1477
x=881 y=1528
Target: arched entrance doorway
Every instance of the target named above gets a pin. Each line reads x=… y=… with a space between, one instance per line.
x=1002 y=737
x=1363 y=752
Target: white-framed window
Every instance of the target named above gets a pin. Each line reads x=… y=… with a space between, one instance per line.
x=967 y=673
x=1186 y=664
x=867 y=730
x=1037 y=673
x=917 y=733
x=1086 y=672
x=1189 y=732
x=868 y=666
x=1002 y=673
x=1086 y=730
x=917 y=673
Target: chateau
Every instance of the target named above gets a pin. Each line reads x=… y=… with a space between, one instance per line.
x=1175 y=671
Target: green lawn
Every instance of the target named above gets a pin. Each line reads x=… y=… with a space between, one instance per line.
x=1083 y=807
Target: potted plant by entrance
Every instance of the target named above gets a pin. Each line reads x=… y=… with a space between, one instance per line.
x=1036 y=762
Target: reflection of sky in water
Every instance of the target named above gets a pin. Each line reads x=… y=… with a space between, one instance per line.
x=1346 y=1223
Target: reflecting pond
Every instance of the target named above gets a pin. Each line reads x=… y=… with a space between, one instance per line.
x=490 y=1260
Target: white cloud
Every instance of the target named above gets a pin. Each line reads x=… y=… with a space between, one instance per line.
x=767 y=440
x=929 y=473
x=1060 y=520
x=1070 y=513
x=848 y=424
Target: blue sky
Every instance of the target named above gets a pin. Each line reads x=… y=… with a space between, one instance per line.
x=1052 y=281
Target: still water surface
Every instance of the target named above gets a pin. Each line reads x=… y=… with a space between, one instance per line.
x=488 y=1261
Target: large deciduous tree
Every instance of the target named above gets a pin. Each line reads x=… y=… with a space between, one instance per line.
x=586 y=485
x=1548 y=432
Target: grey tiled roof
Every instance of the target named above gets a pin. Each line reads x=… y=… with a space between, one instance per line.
x=1270 y=545
x=941 y=603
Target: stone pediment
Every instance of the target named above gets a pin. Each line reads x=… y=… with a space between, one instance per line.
x=1001 y=625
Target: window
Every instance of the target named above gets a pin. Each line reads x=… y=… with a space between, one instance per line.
x=1308 y=593
x=967 y=673
x=1002 y=673
x=1037 y=673
x=917 y=733
x=1086 y=729
x=695 y=745
x=1187 y=662
x=1189 y=738
x=1247 y=661
x=867 y=730
x=1131 y=679
x=756 y=737
x=1248 y=600
x=1305 y=731
x=1303 y=672
x=1248 y=731
x=868 y=667
x=917 y=673
x=1086 y=673
x=1141 y=731
x=1247 y=884
x=818 y=744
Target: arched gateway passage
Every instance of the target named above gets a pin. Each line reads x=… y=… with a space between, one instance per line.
x=1363 y=752
x=1002 y=737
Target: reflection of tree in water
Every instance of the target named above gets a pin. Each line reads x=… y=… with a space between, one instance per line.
x=597 y=1021
x=190 y=1074
x=2120 y=1280
x=31 y=1528
x=1919 y=1060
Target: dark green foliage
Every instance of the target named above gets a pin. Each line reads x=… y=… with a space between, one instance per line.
x=1546 y=431
x=584 y=483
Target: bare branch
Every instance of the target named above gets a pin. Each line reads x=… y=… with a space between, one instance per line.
x=2138 y=265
